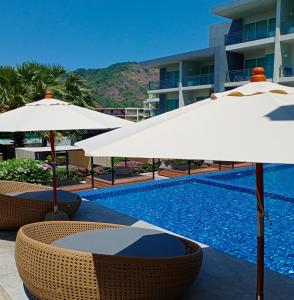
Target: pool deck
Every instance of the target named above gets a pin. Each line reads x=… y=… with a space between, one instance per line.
x=171 y=173
x=222 y=276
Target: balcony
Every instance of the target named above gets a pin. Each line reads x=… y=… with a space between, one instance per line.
x=197 y=80
x=163 y=84
x=248 y=36
x=245 y=74
x=288 y=27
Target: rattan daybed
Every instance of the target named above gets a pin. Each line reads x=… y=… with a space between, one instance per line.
x=16 y=211
x=52 y=273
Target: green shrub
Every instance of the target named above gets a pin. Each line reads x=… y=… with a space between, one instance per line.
x=74 y=174
x=25 y=170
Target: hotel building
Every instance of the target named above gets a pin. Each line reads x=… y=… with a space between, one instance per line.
x=258 y=33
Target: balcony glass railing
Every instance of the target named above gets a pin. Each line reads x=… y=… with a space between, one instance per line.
x=193 y=80
x=245 y=74
x=247 y=36
x=288 y=27
x=196 y=80
x=163 y=84
x=287 y=71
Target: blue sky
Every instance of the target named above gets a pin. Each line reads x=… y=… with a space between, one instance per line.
x=97 y=33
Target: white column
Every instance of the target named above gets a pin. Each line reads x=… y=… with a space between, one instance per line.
x=181 y=96
x=278 y=54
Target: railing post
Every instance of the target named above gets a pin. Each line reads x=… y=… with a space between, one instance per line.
x=189 y=167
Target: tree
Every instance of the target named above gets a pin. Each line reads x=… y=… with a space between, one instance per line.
x=76 y=91
x=12 y=92
x=37 y=78
x=29 y=81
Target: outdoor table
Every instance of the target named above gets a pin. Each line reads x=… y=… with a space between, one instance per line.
x=62 y=196
x=124 y=241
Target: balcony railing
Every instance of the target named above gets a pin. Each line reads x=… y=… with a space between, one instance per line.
x=247 y=36
x=196 y=80
x=163 y=84
x=287 y=71
x=288 y=27
x=245 y=74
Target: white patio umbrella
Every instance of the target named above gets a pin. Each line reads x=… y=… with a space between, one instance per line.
x=253 y=123
x=50 y=115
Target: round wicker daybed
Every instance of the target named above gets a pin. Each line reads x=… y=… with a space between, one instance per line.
x=53 y=273
x=17 y=210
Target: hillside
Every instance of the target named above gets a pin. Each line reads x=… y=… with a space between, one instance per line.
x=119 y=85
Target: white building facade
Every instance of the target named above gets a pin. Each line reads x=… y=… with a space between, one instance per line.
x=258 y=33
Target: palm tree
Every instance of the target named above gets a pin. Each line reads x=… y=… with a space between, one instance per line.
x=29 y=81
x=77 y=91
x=12 y=95
x=37 y=78
x=12 y=92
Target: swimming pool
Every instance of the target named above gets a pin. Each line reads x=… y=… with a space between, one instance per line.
x=215 y=212
x=277 y=178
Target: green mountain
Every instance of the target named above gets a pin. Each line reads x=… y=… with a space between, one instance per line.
x=119 y=85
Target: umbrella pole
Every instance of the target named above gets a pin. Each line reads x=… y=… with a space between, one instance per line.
x=54 y=176
x=260 y=231
x=112 y=171
x=92 y=172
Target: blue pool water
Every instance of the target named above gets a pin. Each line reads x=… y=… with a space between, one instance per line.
x=277 y=178
x=220 y=215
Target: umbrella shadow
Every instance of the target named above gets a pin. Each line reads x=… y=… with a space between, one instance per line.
x=8 y=235
x=283 y=113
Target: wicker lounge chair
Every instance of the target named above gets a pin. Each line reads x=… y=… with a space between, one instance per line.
x=16 y=211
x=51 y=272
x=123 y=171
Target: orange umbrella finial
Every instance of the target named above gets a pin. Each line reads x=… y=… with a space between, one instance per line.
x=258 y=75
x=48 y=95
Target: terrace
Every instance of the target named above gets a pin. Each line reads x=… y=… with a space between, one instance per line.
x=244 y=75
x=250 y=35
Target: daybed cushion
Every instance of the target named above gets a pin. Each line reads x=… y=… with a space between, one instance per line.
x=125 y=241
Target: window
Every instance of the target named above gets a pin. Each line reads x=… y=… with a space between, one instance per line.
x=250 y=63
x=200 y=98
x=250 y=32
x=267 y=62
x=271 y=27
x=260 y=30
x=172 y=104
x=172 y=79
x=207 y=70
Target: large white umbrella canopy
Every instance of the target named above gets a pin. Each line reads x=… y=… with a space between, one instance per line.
x=253 y=123
x=50 y=115
x=256 y=127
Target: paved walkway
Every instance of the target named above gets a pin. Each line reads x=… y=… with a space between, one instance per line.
x=222 y=277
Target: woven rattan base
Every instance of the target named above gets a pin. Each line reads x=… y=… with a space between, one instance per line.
x=52 y=273
x=16 y=211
